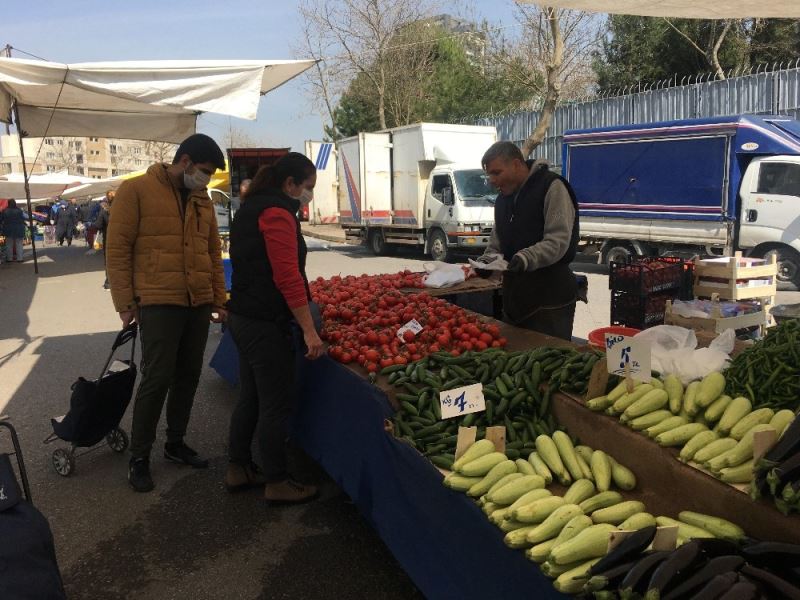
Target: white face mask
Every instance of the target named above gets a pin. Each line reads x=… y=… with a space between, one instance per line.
x=306 y=197
x=197 y=180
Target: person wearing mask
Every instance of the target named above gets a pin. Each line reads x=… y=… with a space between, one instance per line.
x=536 y=231
x=165 y=270
x=66 y=222
x=12 y=226
x=101 y=227
x=269 y=293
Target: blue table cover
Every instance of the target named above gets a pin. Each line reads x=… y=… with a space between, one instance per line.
x=440 y=537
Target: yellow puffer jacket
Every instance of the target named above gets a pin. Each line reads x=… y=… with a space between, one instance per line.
x=157 y=255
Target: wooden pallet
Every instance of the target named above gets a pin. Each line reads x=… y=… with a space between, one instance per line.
x=734 y=269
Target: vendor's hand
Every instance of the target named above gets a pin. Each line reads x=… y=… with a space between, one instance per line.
x=128 y=316
x=517 y=264
x=314 y=345
x=484 y=273
x=218 y=314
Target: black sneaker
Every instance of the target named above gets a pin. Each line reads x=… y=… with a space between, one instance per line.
x=181 y=453
x=139 y=475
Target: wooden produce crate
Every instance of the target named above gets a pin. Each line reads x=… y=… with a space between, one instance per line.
x=735 y=271
x=716 y=322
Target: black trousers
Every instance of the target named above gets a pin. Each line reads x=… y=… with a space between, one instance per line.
x=173 y=343
x=551 y=321
x=267 y=393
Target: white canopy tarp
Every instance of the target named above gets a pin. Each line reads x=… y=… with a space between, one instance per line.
x=16 y=189
x=691 y=9
x=143 y=100
x=49 y=185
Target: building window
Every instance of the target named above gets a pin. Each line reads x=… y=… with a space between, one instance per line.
x=114 y=172
x=79 y=170
x=112 y=148
x=93 y=139
x=60 y=142
x=137 y=150
x=51 y=168
x=50 y=155
x=5 y=167
x=78 y=145
x=79 y=158
x=48 y=141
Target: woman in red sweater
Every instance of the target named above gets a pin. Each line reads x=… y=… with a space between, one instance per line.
x=269 y=292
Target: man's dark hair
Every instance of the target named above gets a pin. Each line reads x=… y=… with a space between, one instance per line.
x=201 y=149
x=506 y=150
x=294 y=165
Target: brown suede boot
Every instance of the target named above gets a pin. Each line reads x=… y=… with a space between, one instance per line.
x=241 y=477
x=289 y=491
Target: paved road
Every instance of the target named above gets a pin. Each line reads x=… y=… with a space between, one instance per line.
x=189 y=538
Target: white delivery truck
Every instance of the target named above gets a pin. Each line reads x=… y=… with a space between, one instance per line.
x=420 y=185
x=324 y=208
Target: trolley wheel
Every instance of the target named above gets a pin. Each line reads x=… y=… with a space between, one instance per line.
x=63 y=462
x=117 y=439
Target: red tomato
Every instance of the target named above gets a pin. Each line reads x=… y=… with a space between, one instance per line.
x=346 y=358
x=408 y=336
x=400 y=360
x=372 y=356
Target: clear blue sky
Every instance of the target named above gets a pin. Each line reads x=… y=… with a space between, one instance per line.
x=94 y=30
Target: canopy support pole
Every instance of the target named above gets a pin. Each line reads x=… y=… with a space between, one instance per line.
x=20 y=134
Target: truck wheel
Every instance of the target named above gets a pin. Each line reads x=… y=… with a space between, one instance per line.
x=617 y=254
x=788 y=260
x=377 y=243
x=438 y=246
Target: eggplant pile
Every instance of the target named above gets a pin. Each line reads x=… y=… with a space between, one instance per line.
x=701 y=569
x=778 y=473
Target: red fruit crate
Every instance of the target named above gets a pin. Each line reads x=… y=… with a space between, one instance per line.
x=649 y=275
x=641 y=312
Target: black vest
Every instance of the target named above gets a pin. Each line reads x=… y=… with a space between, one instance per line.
x=253 y=291
x=520 y=219
x=520 y=223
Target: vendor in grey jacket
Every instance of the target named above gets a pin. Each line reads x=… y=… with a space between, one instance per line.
x=536 y=231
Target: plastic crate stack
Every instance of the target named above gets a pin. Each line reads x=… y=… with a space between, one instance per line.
x=640 y=289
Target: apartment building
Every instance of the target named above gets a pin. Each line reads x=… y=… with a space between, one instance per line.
x=93 y=157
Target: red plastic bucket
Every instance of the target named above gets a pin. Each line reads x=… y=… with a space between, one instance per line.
x=597 y=338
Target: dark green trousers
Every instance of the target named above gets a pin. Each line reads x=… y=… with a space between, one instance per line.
x=173 y=343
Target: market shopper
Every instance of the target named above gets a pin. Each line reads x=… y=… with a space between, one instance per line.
x=101 y=227
x=269 y=293
x=536 y=231
x=165 y=269
x=66 y=222
x=12 y=226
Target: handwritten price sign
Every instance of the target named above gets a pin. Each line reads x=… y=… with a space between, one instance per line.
x=462 y=401
x=628 y=355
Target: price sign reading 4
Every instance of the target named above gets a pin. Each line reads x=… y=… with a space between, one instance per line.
x=628 y=355
x=462 y=401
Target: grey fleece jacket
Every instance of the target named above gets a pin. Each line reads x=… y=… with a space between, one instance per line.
x=559 y=214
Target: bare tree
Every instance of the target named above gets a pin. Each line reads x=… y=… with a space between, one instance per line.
x=711 y=51
x=160 y=151
x=65 y=155
x=359 y=33
x=238 y=138
x=552 y=57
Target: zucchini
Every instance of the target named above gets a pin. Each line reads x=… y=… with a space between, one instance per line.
x=482 y=465
x=590 y=543
x=685 y=530
x=524 y=467
x=690 y=399
x=735 y=412
x=507 y=479
x=475 y=450
x=585 y=468
x=540 y=552
x=601 y=469
x=743 y=451
x=567 y=452
x=674 y=389
x=621 y=475
x=700 y=440
x=741 y=474
x=512 y=491
x=760 y=416
x=713 y=449
x=599 y=404
x=649 y=420
x=710 y=389
x=601 y=500
x=579 y=491
x=627 y=399
x=715 y=525
x=540 y=467
x=497 y=472
x=518 y=538
x=714 y=412
x=537 y=511
x=460 y=483
x=781 y=420
x=680 y=435
x=554 y=523
x=618 y=513
x=638 y=521
x=666 y=425
x=572 y=581
x=548 y=452
x=651 y=401
x=584 y=452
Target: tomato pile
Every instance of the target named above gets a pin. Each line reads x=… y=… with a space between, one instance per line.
x=361 y=317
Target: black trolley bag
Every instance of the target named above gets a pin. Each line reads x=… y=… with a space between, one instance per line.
x=97 y=406
x=28 y=565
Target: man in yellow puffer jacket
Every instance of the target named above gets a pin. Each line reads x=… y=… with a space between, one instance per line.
x=165 y=270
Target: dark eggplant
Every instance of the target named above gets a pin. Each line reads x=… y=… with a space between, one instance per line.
x=786 y=472
x=773 y=555
x=714 y=547
x=743 y=590
x=679 y=560
x=788 y=445
x=628 y=549
x=716 y=566
x=717 y=587
x=609 y=579
x=780 y=587
x=638 y=577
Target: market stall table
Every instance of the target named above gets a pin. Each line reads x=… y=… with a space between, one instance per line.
x=479 y=295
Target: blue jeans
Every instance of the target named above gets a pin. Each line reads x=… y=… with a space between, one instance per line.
x=11 y=244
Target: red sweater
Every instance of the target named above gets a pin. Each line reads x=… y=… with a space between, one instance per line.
x=280 y=237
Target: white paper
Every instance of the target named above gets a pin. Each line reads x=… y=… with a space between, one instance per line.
x=462 y=401
x=627 y=354
x=498 y=264
x=413 y=326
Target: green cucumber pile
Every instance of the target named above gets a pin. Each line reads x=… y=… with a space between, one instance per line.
x=768 y=372
x=517 y=387
x=710 y=428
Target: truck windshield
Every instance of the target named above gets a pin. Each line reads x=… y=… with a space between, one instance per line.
x=474 y=184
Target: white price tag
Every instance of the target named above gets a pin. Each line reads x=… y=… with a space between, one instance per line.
x=628 y=355
x=413 y=326
x=462 y=401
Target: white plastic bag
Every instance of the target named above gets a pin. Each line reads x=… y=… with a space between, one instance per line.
x=441 y=274
x=674 y=350
x=498 y=263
